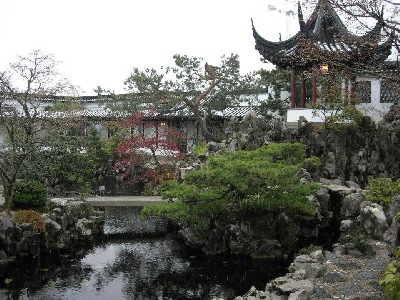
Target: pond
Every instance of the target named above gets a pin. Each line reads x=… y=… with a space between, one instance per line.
x=127 y=266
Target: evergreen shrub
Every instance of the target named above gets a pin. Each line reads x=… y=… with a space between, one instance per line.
x=382 y=190
x=30 y=194
x=240 y=184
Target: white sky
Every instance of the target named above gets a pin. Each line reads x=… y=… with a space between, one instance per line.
x=99 y=42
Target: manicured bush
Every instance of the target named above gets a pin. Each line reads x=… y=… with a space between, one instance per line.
x=31 y=217
x=240 y=184
x=30 y=194
x=382 y=190
x=391 y=279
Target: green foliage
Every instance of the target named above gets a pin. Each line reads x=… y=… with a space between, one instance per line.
x=277 y=79
x=31 y=217
x=311 y=163
x=200 y=149
x=239 y=184
x=190 y=83
x=69 y=171
x=72 y=163
x=391 y=279
x=30 y=194
x=273 y=107
x=382 y=190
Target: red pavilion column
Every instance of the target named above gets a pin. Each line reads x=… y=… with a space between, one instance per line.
x=314 y=86
x=293 y=89
x=303 y=90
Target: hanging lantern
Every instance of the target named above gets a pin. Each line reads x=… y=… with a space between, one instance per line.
x=324 y=68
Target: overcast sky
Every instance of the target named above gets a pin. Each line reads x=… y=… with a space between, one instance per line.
x=99 y=42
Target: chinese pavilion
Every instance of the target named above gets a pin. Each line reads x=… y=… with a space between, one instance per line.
x=324 y=42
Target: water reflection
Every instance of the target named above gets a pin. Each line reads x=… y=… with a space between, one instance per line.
x=144 y=269
x=126 y=221
x=136 y=268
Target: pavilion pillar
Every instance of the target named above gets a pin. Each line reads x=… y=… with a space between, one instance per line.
x=293 y=89
x=303 y=91
x=346 y=87
x=353 y=90
x=314 y=86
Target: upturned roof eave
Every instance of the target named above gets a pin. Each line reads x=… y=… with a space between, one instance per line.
x=337 y=39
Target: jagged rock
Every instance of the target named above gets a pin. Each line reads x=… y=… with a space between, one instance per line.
x=191 y=239
x=373 y=220
x=52 y=228
x=299 y=295
x=69 y=222
x=345 y=225
x=213 y=147
x=339 y=189
x=351 y=205
x=317 y=256
x=391 y=235
x=271 y=248
x=326 y=181
x=254 y=294
x=84 y=226
x=239 y=241
x=286 y=285
x=312 y=267
x=305 y=177
x=339 y=249
x=352 y=184
x=330 y=165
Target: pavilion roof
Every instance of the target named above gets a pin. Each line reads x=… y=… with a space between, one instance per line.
x=324 y=38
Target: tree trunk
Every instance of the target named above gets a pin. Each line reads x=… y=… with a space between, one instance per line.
x=8 y=193
x=204 y=130
x=202 y=121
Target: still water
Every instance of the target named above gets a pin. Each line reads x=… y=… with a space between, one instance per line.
x=127 y=266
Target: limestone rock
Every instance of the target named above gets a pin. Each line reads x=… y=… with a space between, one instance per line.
x=190 y=238
x=351 y=205
x=317 y=256
x=312 y=267
x=392 y=233
x=373 y=220
x=345 y=225
x=286 y=285
x=254 y=294
x=299 y=295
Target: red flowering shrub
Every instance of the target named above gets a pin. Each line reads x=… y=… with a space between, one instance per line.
x=148 y=152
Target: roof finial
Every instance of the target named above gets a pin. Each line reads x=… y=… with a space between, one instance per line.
x=300 y=14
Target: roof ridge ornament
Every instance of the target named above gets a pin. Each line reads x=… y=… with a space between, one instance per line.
x=300 y=15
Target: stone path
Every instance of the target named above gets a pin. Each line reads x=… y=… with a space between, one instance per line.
x=352 y=277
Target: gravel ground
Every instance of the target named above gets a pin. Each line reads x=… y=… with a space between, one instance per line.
x=352 y=277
